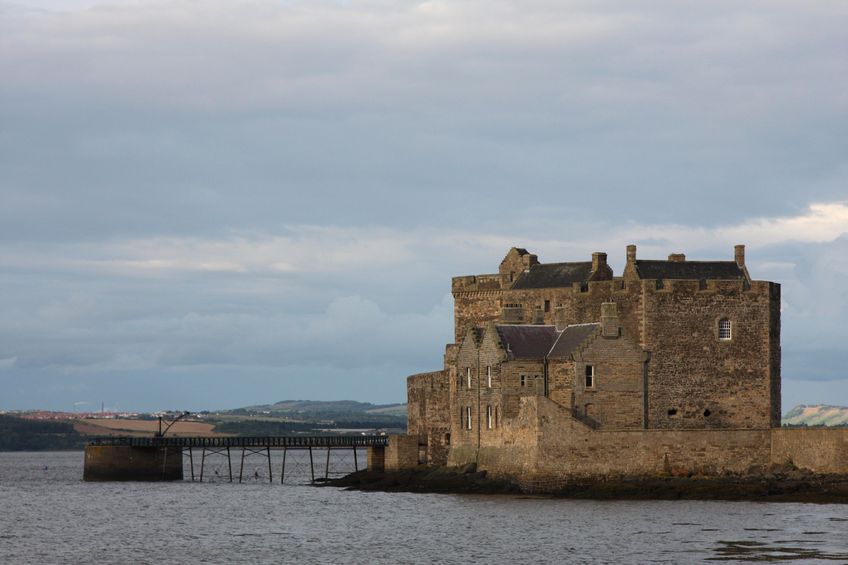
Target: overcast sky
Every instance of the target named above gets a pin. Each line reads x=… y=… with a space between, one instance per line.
x=216 y=203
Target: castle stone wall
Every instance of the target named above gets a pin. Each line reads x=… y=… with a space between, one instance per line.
x=823 y=450
x=544 y=445
x=695 y=380
x=401 y=453
x=428 y=413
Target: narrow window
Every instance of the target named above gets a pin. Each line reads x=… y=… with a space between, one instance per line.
x=523 y=380
x=468 y=376
x=497 y=414
x=590 y=376
x=724 y=329
x=489 y=377
x=547 y=305
x=468 y=417
x=489 y=417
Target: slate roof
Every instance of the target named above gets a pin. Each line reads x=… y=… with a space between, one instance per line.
x=570 y=339
x=554 y=275
x=527 y=342
x=539 y=342
x=650 y=269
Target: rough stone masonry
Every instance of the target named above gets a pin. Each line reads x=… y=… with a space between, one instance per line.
x=565 y=370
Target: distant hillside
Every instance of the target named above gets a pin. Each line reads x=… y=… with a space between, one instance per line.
x=305 y=416
x=19 y=434
x=816 y=415
x=316 y=408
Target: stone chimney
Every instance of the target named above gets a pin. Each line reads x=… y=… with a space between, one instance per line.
x=538 y=317
x=599 y=260
x=609 y=319
x=560 y=320
x=631 y=253
x=739 y=255
x=677 y=257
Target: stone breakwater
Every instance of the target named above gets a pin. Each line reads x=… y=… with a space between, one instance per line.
x=777 y=484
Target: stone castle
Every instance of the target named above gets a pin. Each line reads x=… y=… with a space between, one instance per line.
x=566 y=370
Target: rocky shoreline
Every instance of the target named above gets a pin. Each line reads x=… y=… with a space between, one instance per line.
x=774 y=485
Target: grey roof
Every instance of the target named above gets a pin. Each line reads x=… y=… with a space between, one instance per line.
x=570 y=339
x=554 y=275
x=527 y=342
x=650 y=269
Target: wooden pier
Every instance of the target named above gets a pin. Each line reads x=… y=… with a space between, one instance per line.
x=161 y=458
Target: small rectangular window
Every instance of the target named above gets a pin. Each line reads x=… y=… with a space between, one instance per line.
x=489 y=417
x=468 y=417
x=523 y=380
x=724 y=329
x=547 y=305
x=590 y=376
x=489 y=377
x=468 y=376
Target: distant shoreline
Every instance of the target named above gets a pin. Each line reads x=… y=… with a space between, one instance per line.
x=794 y=486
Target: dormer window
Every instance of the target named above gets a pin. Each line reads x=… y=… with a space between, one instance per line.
x=725 y=330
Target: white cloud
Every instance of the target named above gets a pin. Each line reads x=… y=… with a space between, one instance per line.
x=314 y=250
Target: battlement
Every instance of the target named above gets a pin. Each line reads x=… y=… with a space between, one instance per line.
x=484 y=283
x=475 y=283
x=522 y=271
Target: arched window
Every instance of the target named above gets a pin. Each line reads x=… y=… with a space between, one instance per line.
x=724 y=330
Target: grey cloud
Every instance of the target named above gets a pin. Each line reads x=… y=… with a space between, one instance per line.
x=557 y=123
x=386 y=113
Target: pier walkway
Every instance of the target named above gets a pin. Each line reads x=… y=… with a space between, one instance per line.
x=224 y=445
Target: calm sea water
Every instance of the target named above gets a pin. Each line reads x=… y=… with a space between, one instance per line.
x=48 y=515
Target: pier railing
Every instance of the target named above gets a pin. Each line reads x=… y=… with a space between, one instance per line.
x=290 y=442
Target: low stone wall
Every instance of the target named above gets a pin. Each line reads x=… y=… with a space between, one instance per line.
x=823 y=450
x=124 y=463
x=401 y=453
x=376 y=458
x=544 y=444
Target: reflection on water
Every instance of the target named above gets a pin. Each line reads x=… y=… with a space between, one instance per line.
x=777 y=551
x=48 y=515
